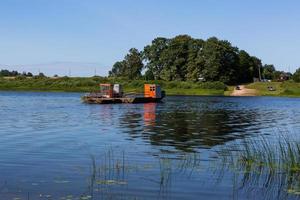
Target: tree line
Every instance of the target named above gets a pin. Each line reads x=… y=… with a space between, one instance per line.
x=13 y=73
x=184 y=58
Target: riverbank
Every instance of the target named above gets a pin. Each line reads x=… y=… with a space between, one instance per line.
x=287 y=89
x=82 y=84
x=284 y=89
x=243 y=92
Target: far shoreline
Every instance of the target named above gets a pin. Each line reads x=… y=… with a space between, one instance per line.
x=172 y=88
x=172 y=95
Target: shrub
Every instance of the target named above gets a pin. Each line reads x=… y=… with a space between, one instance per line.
x=296 y=76
x=211 y=85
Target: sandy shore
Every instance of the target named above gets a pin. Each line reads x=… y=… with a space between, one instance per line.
x=244 y=92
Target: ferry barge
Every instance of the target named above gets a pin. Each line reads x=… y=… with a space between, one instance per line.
x=113 y=93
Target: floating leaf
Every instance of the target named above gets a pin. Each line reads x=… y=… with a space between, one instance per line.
x=85 y=197
x=61 y=181
x=110 y=182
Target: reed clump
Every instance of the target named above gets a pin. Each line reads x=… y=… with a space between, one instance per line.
x=267 y=163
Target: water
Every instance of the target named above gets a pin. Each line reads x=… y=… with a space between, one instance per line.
x=52 y=146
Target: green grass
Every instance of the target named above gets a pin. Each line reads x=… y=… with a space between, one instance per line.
x=200 y=92
x=91 y=84
x=81 y=84
x=288 y=88
x=229 y=90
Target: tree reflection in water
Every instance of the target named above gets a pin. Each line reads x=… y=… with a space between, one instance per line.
x=186 y=130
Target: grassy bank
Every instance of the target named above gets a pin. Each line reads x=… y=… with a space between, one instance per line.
x=82 y=84
x=288 y=88
x=66 y=84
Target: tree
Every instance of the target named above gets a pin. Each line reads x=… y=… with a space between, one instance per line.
x=296 y=76
x=6 y=72
x=149 y=75
x=118 y=69
x=175 y=59
x=221 y=61
x=130 y=67
x=184 y=58
x=257 y=67
x=246 y=67
x=14 y=73
x=152 y=55
x=134 y=64
x=195 y=62
x=269 y=72
x=41 y=75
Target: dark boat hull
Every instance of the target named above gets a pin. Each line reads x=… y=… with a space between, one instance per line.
x=100 y=100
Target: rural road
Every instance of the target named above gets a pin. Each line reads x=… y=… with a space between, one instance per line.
x=243 y=92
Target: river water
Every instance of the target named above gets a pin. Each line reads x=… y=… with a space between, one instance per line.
x=53 y=146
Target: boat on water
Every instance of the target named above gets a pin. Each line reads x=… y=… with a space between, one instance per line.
x=113 y=93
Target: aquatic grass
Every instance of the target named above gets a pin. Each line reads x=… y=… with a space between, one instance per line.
x=165 y=168
x=189 y=163
x=272 y=165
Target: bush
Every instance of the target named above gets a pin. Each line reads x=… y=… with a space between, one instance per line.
x=90 y=84
x=137 y=83
x=211 y=85
x=20 y=77
x=296 y=76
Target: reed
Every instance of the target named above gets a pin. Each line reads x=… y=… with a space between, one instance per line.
x=265 y=163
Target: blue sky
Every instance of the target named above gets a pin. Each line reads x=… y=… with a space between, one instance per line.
x=79 y=36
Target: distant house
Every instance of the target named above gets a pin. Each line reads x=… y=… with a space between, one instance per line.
x=284 y=76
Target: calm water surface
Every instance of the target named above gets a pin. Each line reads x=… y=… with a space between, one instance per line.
x=52 y=146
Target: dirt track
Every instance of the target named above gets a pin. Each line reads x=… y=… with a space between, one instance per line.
x=244 y=92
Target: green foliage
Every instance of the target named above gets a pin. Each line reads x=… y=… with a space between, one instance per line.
x=248 y=67
x=149 y=75
x=175 y=59
x=69 y=84
x=5 y=72
x=195 y=62
x=272 y=164
x=287 y=88
x=152 y=54
x=291 y=89
x=220 y=61
x=269 y=72
x=296 y=76
x=184 y=58
x=130 y=67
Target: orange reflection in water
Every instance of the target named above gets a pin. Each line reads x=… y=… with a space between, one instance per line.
x=149 y=114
